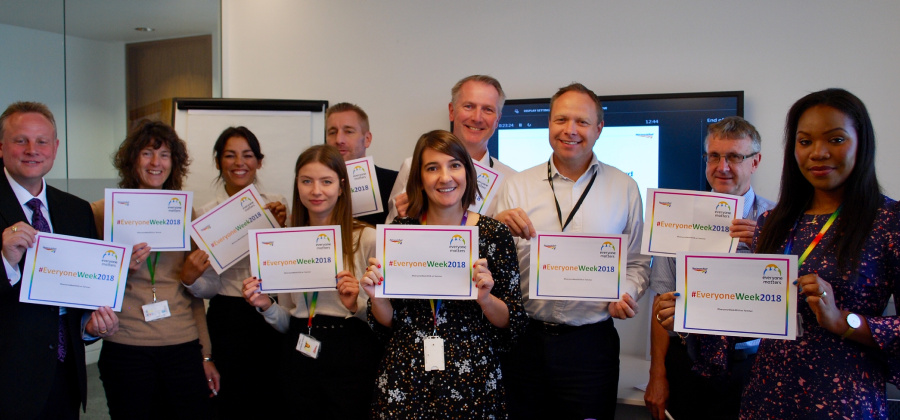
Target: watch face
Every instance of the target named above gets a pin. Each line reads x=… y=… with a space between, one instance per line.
x=854 y=321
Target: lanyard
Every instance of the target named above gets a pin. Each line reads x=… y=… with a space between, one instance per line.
x=436 y=307
x=577 y=205
x=310 y=308
x=152 y=269
x=815 y=241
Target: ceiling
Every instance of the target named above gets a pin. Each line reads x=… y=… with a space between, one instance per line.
x=115 y=20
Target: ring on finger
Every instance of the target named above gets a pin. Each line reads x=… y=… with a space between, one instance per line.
x=15 y=229
x=823 y=294
x=658 y=319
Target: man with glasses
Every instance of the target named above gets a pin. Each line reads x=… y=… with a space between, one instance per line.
x=703 y=376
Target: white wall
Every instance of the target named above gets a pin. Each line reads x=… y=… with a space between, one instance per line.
x=95 y=89
x=32 y=70
x=398 y=59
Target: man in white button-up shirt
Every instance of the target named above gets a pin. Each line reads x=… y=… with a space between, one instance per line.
x=475 y=108
x=567 y=363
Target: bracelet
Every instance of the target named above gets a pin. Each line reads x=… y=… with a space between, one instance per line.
x=208 y=358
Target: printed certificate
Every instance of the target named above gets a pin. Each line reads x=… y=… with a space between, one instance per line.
x=690 y=221
x=748 y=295
x=489 y=182
x=577 y=266
x=364 y=191
x=427 y=262
x=302 y=259
x=75 y=272
x=222 y=232
x=157 y=217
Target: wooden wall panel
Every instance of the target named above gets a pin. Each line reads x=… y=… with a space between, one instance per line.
x=157 y=71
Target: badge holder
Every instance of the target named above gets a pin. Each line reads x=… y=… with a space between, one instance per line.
x=306 y=344
x=156 y=310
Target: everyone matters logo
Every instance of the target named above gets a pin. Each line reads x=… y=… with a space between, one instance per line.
x=123 y=203
x=397 y=241
x=723 y=209
x=323 y=241
x=607 y=250
x=483 y=180
x=246 y=203
x=109 y=258
x=700 y=269
x=772 y=274
x=49 y=249
x=457 y=243
x=553 y=247
x=175 y=205
x=665 y=203
x=359 y=172
x=269 y=243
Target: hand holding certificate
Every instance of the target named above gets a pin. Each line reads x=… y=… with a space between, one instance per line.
x=296 y=259
x=157 y=217
x=573 y=266
x=426 y=262
x=364 y=188
x=75 y=272
x=748 y=295
x=693 y=221
x=222 y=232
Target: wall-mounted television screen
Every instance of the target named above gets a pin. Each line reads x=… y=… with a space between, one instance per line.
x=657 y=138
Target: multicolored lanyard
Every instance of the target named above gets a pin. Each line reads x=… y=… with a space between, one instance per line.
x=310 y=308
x=815 y=241
x=152 y=269
x=436 y=307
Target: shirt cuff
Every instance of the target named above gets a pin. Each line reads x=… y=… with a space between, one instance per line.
x=12 y=271
x=85 y=318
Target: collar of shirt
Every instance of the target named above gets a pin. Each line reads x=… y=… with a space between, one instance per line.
x=24 y=196
x=593 y=166
x=485 y=160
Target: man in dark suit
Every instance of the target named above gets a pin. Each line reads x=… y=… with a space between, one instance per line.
x=347 y=129
x=42 y=371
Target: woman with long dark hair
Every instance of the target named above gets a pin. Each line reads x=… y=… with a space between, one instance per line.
x=236 y=330
x=832 y=214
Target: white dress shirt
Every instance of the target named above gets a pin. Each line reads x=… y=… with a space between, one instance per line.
x=486 y=160
x=12 y=270
x=612 y=206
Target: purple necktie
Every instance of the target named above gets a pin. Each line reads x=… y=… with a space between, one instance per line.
x=40 y=223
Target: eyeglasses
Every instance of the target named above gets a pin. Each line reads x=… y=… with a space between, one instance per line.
x=732 y=158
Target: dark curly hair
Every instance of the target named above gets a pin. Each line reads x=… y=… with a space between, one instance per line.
x=152 y=134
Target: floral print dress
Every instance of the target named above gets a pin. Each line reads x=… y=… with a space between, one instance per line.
x=470 y=386
x=820 y=375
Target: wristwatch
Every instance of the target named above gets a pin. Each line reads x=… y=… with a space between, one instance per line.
x=854 y=321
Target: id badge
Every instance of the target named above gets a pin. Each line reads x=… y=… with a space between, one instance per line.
x=158 y=310
x=434 y=353
x=309 y=346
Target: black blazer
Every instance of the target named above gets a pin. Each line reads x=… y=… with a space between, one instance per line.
x=386 y=179
x=28 y=332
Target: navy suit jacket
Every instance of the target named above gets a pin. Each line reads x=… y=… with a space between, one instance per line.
x=29 y=333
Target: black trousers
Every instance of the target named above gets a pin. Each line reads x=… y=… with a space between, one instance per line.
x=339 y=384
x=692 y=396
x=563 y=372
x=246 y=351
x=154 y=382
x=64 y=400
